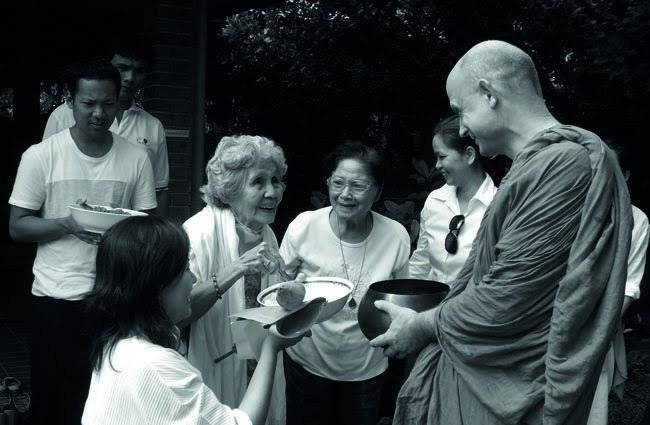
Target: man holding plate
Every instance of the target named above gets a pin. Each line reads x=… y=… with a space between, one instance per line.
x=86 y=161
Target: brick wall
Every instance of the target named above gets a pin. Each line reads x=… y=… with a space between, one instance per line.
x=168 y=94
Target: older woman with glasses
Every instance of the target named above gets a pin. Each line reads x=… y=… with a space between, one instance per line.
x=234 y=256
x=336 y=377
x=452 y=214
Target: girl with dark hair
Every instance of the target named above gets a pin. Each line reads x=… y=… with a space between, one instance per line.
x=335 y=377
x=141 y=291
x=452 y=214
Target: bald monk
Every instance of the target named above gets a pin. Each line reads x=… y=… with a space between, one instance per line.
x=522 y=336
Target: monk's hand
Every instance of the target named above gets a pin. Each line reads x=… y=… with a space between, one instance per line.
x=404 y=335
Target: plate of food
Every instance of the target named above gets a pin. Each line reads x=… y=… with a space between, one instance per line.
x=98 y=218
x=335 y=290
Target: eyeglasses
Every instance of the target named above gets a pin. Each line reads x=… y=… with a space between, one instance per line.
x=451 y=241
x=357 y=187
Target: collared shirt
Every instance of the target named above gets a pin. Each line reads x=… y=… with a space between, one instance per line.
x=638 y=251
x=431 y=260
x=143 y=383
x=137 y=126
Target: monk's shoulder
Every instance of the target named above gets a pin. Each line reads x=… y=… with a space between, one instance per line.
x=565 y=159
x=564 y=152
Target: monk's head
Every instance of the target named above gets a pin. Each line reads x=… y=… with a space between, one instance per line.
x=490 y=86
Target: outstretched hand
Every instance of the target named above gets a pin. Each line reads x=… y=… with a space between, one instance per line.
x=404 y=336
x=280 y=342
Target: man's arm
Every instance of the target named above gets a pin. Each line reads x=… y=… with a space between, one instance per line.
x=26 y=225
x=160 y=166
x=162 y=199
x=636 y=259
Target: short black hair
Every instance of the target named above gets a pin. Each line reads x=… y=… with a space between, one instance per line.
x=354 y=149
x=137 y=47
x=94 y=69
x=448 y=129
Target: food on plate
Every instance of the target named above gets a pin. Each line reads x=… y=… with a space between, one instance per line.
x=98 y=208
x=290 y=295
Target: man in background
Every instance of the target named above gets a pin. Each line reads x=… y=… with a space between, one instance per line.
x=131 y=57
x=86 y=161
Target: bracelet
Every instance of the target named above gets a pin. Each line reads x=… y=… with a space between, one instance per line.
x=216 y=286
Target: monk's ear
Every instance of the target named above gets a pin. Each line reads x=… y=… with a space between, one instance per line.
x=487 y=92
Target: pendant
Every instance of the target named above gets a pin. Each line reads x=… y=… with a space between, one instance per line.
x=352 y=303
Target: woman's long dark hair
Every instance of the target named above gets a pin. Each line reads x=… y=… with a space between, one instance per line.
x=137 y=258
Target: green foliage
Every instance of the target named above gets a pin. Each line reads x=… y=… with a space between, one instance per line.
x=310 y=73
x=393 y=56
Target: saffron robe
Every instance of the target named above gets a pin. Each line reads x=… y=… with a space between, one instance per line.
x=522 y=336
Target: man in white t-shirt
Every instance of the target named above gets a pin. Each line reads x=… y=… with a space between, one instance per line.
x=130 y=57
x=86 y=161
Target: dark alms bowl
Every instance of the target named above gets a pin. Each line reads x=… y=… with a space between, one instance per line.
x=416 y=294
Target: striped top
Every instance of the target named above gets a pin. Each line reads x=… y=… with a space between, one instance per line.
x=144 y=383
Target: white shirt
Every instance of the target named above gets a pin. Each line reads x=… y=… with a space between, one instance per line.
x=54 y=174
x=137 y=126
x=143 y=383
x=638 y=251
x=337 y=349
x=430 y=260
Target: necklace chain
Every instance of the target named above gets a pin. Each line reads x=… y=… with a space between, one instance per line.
x=247 y=228
x=352 y=303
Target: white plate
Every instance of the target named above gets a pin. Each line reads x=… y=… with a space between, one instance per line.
x=98 y=221
x=335 y=290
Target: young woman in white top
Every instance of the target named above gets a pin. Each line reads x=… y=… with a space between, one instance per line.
x=142 y=289
x=452 y=214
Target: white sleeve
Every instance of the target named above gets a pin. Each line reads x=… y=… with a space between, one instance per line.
x=53 y=126
x=144 y=193
x=419 y=264
x=288 y=250
x=161 y=161
x=402 y=261
x=29 y=187
x=168 y=390
x=637 y=257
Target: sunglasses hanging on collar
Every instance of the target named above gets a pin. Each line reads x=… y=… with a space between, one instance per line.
x=451 y=241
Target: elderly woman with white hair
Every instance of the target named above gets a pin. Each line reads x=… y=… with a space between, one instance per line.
x=234 y=256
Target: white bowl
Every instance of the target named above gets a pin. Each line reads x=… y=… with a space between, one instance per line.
x=335 y=290
x=97 y=221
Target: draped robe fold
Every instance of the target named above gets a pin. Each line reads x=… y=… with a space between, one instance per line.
x=522 y=336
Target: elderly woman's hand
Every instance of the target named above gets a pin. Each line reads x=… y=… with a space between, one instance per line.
x=260 y=259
